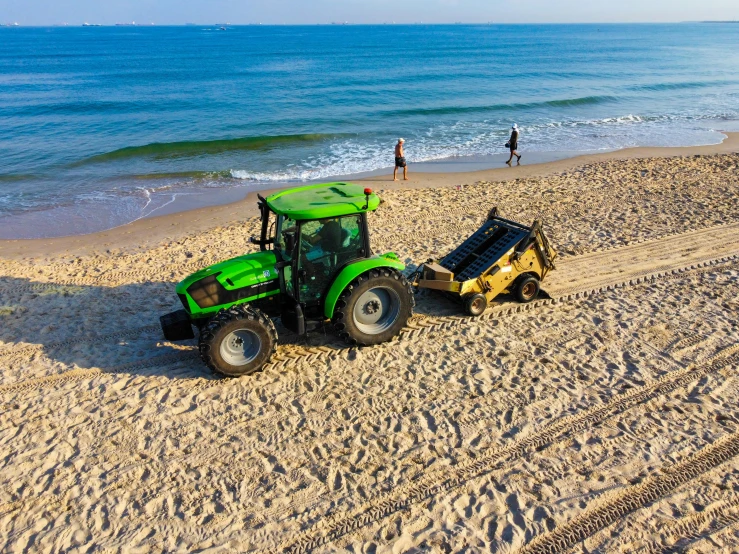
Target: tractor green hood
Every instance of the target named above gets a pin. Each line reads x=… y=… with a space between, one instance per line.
x=235 y=281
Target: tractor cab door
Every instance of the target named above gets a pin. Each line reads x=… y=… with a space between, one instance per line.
x=286 y=243
x=312 y=253
x=325 y=247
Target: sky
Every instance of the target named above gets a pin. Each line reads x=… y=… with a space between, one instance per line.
x=164 y=12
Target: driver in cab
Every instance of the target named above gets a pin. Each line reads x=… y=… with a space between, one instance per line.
x=327 y=240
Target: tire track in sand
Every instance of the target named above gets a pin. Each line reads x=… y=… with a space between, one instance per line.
x=621 y=503
x=685 y=531
x=442 y=481
x=498 y=400
x=14 y=352
x=81 y=374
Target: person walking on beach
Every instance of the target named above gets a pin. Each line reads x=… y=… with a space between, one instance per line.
x=513 y=144
x=400 y=161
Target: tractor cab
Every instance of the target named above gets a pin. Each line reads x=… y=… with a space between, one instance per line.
x=315 y=232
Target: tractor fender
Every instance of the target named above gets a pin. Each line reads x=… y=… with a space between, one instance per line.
x=526 y=272
x=351 y=272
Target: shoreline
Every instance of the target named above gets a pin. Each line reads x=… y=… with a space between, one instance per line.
x=173 y=226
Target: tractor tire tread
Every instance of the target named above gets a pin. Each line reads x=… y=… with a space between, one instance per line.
x=341 y=312
x=224 y=317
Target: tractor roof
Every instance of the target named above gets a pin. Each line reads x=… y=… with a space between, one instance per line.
x=322 y=201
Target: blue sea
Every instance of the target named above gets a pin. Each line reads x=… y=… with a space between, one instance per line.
x=100 y=126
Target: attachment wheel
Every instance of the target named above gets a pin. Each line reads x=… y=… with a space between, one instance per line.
x=527 y=289
x=475 y=304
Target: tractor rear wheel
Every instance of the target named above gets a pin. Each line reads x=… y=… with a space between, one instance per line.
x=237 y=341
x=527 y=288
x=374 y=307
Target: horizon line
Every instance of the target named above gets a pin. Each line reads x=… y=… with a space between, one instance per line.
x=347 y=23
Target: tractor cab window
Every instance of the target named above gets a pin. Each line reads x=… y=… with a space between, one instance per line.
x=286 y=240
x=287 y=233
x=326 y=245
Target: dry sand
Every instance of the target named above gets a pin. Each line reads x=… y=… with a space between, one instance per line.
x=603 y=419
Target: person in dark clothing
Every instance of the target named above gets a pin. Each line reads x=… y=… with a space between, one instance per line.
x=400 y=161
x=513 y=144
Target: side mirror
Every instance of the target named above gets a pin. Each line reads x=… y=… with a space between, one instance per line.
x=290 y=241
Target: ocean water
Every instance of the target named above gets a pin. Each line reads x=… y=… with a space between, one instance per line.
x=100 y=126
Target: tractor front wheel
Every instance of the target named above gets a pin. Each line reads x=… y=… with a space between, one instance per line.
x=374 y=307
x=237 y=341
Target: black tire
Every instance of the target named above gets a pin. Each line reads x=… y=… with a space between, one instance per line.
x=384 y=290
x=527 y=289
x=475 y=304
x=237 y=341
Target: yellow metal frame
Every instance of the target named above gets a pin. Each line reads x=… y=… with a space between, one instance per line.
x=497 y=279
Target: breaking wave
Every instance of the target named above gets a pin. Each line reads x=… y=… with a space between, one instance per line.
x=451 y=110
x=191 y=149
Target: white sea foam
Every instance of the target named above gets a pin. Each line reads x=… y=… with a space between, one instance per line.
x=352 y=156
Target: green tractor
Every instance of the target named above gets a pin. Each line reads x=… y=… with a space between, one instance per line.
x=315 y=266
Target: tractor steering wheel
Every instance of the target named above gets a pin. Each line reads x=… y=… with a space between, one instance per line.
x=305 y=245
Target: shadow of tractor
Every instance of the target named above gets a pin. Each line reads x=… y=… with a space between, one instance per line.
x=111 y=328
x=116 y=328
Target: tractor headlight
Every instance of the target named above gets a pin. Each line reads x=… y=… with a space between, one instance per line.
x=208 y=292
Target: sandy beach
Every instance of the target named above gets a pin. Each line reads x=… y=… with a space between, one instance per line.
x=600 y=418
